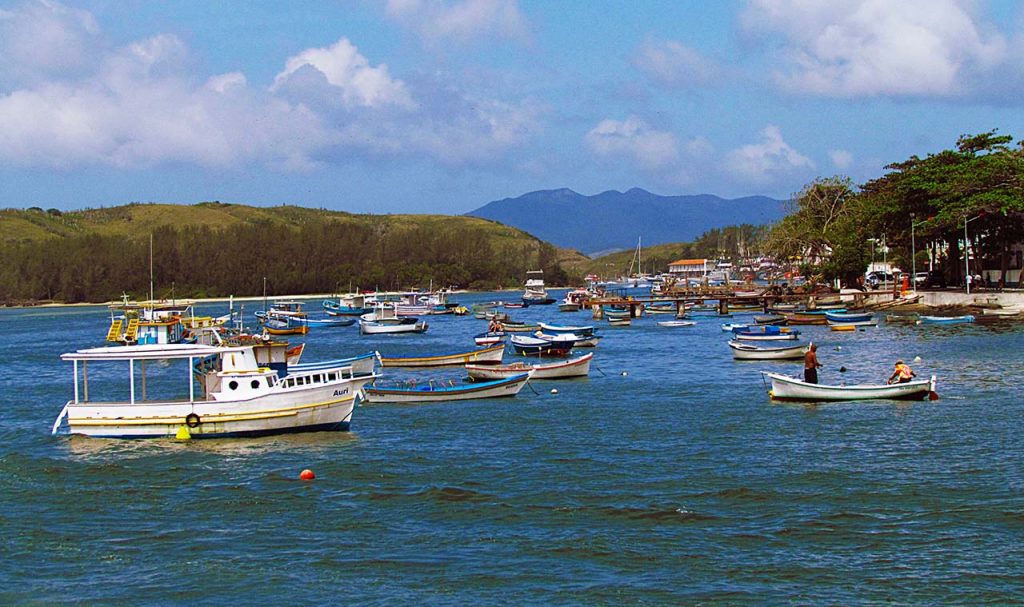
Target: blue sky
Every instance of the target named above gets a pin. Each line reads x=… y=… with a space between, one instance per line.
x=444 y=105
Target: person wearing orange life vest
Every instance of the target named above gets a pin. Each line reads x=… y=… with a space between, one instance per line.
x=902 y=374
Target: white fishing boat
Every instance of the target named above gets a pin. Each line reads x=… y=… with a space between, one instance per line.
x=742 y=351
x=489 y=355
x=385 y=319
x=236 y=396
x=791 y=388
x=534 y=290
x=575 y=367
x=440 y=391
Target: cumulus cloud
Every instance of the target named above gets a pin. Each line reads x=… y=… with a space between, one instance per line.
x=142 y=104
x=43 y=39
x=633 y=138
x=767 y=160
x=675 y=65
x=346 y=69
x=852 y=48
x=462 y=21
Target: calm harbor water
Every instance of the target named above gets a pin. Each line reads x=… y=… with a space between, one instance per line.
x=667 y=477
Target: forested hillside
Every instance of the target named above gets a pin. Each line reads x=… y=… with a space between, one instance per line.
x=214 y=249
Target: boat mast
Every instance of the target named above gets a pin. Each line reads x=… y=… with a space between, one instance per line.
x=151 y=268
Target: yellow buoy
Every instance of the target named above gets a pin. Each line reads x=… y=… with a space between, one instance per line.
x=183 y=433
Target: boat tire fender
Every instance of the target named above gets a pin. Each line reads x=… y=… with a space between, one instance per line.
x=192 y=420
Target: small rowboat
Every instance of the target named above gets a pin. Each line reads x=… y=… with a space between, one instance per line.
x=490 y=338
x=512 y=305
x=333 y=321
x=533 y=346
x=844 y=317
x=842 y=326
x=1002 y=311
x=489 y=355
x=279 y=326
x=806 y=319
x=770 y=319
x=742 y=351
x=791 y=388
x=619 y=322
x=575 y=330
x=370 y=327
x=519 y=327
x=431 y=392
x=575 y=367
x=946 y=320
x=571 y=339
x=676 y=323
x=765 y=333
x=569 y=307
x=852 y=324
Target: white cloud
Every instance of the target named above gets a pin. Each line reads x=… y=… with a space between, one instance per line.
x=632 y=138
x=767 y=160
x=142 y=105
x=675 y=65
x=348 y=70
x=461 y=21
x=42 y=39
x=841 y=159
x=852 y=48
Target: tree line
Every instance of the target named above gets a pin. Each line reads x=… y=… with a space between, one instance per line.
x=917 y=211
x=315 y=257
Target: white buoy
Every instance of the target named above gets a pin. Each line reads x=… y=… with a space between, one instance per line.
x=917 y=359
x=554 y=390
x=839 y=347
x=624 y=373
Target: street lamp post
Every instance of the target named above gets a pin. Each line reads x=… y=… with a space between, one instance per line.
x=913 y=250
x=967 y=254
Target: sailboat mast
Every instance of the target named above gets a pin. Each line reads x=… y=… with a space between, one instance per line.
x=150 y=266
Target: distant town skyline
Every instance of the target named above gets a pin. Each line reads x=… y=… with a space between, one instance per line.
x=440 y=106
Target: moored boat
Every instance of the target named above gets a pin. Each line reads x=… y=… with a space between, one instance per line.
x=534 y=346
x=945 y=320
x=770 y=319
x=575 y=367
x=797 y=318
x=845 y=317
x=440 y=392
x=490 y=338
x=743 y=351
x=791 y=388
x=766 y=333
x=489 y=355
x=238 y=397
x=535 y=292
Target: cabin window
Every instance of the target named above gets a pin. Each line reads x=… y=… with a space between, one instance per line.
x=232 y=385
x=255 y=384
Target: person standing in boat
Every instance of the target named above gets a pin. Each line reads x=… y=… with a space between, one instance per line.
x=902 y=374
x=811 y=365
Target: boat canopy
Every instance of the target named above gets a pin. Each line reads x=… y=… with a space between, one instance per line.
x=149 y=352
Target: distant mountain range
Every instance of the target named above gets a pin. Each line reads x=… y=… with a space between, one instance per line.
x=613 y=220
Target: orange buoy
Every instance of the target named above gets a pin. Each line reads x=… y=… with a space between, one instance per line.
x=307 y=475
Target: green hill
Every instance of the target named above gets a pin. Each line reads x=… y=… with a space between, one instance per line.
x=215 y=249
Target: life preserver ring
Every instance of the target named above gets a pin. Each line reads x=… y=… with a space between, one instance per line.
x=192 y=420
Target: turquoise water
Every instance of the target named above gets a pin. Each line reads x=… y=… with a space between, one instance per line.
x=665 y=478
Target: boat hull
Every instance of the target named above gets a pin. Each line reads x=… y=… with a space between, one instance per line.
x=792 y=389
x=742 y=351
x=495 y=389
x=327 y=407
x=374 y=328
x=489 y=355
x=576 y=367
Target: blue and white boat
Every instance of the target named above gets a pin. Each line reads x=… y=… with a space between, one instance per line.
x=349 y=304
x=442 y=391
